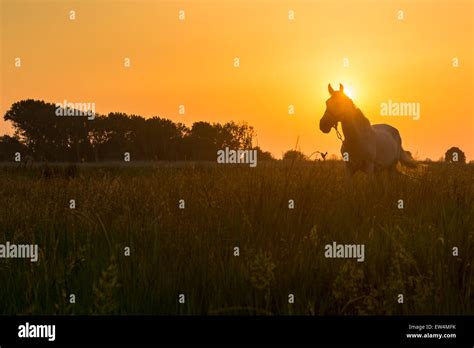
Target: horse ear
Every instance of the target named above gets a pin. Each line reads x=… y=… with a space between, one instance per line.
x=331 y=91
x=341 y=87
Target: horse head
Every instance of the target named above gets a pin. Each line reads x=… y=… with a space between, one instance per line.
x=337 y=106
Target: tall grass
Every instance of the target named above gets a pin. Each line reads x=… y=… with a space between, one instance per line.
x=190 y=251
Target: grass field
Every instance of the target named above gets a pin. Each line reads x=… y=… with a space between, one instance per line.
x=190 y=251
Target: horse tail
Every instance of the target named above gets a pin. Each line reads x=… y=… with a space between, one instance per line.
x=407 y=159
x=405 y=156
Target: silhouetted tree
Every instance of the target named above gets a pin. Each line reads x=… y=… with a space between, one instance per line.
x=294 y=155
x=160 y=139
x=455 y=155
x=61 y=138
x=263 y=155
x=11 y=145
x=98 y=136
x=240 y=135
x=49 y=137
x=201 y=142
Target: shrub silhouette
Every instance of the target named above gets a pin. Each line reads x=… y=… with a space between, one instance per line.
x=294 y=155
x=455 y=155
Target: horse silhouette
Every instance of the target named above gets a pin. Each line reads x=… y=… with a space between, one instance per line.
x=366 y=147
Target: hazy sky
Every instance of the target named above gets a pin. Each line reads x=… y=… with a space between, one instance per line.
x=282 y=62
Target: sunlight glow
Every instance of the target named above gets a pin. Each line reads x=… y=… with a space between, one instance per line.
x=348 y=92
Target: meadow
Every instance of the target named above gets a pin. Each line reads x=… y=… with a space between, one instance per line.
x=191 y=251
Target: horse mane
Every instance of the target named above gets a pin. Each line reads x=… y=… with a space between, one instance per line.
x=355 y=124
x=360 y=117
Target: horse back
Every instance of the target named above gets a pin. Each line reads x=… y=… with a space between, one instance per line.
x=388 y=129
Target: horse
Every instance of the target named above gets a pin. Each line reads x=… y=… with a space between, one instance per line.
x=368 y=148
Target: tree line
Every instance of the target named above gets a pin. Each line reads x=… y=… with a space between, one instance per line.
x=43 y=136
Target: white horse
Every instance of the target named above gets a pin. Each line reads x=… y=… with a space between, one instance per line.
x=365 y=147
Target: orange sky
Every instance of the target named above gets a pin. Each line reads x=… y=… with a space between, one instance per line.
x=282 y=62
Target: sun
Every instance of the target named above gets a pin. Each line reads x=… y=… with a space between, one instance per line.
x=348 y=91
